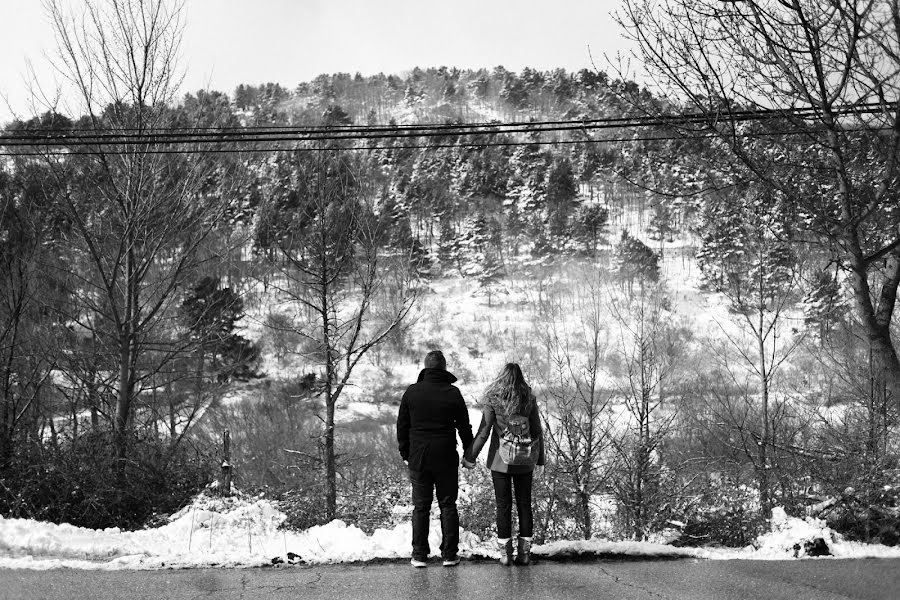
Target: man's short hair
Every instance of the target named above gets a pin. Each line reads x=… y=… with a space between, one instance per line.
x=435 y=360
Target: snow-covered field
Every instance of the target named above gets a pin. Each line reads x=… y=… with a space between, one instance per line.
x=243 y=531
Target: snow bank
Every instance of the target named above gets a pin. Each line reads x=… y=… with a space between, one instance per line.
x=231 y=532
x=793 y=537
x=582 y=548
x=243 y=531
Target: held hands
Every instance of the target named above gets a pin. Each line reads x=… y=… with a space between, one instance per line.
x=466 y=464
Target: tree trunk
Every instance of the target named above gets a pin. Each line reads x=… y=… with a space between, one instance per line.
x=330 y=464
x=5 y=437
x=876 y=322
x=173 y=435
x=92 y=402
x=586 y=524
x=126 y=339
x=765 y=496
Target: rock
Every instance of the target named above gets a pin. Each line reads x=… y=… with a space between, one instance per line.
x=814 y=547
x=817 y=547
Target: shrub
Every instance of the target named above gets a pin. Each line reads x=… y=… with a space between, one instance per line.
x=476 y=504
x=280 y=336
x=372 y=507
x=871 y=515
x=303 y=507
x=82 y=482
x=725 y=514
x=733 y=526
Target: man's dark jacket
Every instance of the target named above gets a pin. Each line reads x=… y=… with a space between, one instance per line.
x=431 y=412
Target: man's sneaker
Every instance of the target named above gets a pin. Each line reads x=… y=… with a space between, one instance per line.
x=418 y=563
x=451 y=562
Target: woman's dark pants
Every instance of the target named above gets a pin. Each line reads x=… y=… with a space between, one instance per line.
x=504 y=483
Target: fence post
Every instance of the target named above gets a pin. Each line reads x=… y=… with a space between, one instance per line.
x=226 y=464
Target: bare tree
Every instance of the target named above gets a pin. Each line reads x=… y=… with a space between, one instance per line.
x=345 y=296
x=828 y=73
x=139 y=213
x=746 y=256
x=579 y=423
x=25 y=363
x=646 y=488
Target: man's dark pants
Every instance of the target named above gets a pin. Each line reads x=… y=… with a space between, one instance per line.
x=424 y=483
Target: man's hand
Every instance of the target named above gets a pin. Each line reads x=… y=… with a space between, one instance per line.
x=466 y=464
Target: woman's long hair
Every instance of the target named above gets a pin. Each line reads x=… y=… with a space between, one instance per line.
x=509 y=393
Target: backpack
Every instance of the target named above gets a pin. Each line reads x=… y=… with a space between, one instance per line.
x=516 y=445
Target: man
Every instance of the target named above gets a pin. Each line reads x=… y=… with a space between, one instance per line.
x=432 y=411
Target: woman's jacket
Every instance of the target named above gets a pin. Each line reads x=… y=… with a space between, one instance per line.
x=493 y=423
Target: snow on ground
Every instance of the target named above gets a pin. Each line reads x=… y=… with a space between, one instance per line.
x=234 y=532
x=792 y=537
x=243 y=531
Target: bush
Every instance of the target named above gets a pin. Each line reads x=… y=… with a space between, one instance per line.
x=82 y=482
x=303 y=507
x=372 y=507
x=871 y=515
x=726 y=514
x=280 y=336
x=476 y=504
x=734 y=526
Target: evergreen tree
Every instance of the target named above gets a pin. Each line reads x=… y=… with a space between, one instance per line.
x=480 y=87
x=823 y=305
x=210 y=313
x=335 y=116
x=662 y=226
x=634 y=261
x=590 y=221
x=560 y=191
x=449 y=247
x=514 y=92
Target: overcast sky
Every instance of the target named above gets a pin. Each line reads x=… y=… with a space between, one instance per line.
x=228 y=42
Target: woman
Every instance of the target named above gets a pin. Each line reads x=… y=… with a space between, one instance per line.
x=507 y=400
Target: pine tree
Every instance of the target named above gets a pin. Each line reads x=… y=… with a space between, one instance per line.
x=634 y=261
x=590 y=221
x=561 y=192
x=449 y=247
x=662 y=224
x=210 y=313
x=824 y=306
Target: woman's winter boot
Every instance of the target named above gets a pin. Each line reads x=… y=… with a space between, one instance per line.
x=523 y=558
x=506 y=551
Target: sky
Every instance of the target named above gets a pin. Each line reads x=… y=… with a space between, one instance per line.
x=228 y=42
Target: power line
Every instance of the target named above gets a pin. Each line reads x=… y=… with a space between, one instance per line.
x=164 y=136
x=252 y=150
x=742 y=115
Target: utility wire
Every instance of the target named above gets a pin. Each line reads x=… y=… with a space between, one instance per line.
x=489 y=127
x=163 y=136
x=252 y=150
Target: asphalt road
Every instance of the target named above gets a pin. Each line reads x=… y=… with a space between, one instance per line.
x=659 y=580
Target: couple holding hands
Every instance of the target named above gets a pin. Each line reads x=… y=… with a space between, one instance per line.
x=432 y=412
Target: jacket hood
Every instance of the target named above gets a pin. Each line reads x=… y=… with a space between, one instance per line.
x=436 y=376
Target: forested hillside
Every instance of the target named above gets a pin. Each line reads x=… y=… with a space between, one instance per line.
x=697 y=333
